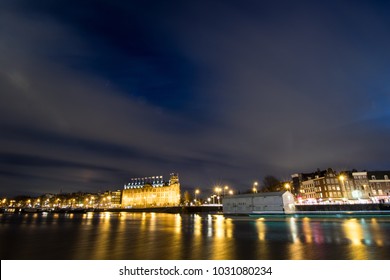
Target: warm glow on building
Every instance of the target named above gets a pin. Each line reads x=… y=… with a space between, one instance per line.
x=151 y=192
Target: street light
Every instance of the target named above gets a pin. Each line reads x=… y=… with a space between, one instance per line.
x=255 y=187
x=225 y=189
x=218 y=191
x=287 y=186
x=196 y=192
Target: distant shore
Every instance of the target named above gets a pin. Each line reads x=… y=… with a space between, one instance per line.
x=173 y=209
x=314 y=209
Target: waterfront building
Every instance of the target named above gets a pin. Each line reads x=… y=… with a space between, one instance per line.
x=355 y=185
x=308 y=190
x=379 y=183
x=268 y=202
x=320 y=185
x=151 y=192
x=327 y=185
x=111 y=199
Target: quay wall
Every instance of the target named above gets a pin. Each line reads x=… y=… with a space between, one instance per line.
x=171 y=209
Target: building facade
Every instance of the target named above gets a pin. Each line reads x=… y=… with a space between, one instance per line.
x=151 y=192
x=379 y=183
x=320 y=185
x=115 y=198
x=370 y=186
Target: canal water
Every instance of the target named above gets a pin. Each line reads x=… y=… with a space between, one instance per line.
x=159 y=236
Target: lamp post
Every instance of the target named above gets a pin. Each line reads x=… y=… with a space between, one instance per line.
x=196 y=192
x=255 y=187
x=218 y=191
x=225 y=189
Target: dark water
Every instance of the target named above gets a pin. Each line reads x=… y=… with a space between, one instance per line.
x=172 y=236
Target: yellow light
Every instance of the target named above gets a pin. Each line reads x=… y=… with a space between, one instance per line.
x=341 y=177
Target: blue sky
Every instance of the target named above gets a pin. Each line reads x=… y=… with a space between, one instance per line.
x=93 y=93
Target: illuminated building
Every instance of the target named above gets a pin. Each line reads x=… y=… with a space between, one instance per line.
x=327 y=185
x=380 y=185
x=111 y=199
x=321 y=185
x=151 y=192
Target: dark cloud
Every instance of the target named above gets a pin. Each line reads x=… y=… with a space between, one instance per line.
x=94 y=93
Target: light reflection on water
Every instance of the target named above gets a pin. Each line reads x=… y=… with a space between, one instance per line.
x=174 y=236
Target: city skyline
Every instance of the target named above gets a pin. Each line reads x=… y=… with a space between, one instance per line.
x=95 y=93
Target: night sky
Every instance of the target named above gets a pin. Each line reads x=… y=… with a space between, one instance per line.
x=93 y=93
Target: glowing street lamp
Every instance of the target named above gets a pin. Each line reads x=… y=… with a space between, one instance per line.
x=218 y=191
x=225 y=189
x=255 y=184
x=287 y=186
x=196 y=192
